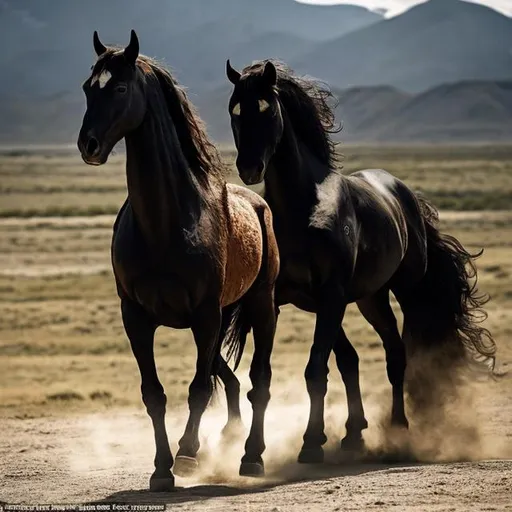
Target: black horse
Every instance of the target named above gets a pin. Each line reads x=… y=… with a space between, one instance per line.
x=188 y=250
x=345 y=239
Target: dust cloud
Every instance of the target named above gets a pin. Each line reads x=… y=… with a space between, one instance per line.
x=444 y=403
x=445 y=425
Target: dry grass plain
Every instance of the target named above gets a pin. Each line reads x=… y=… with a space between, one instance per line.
x=70 y=401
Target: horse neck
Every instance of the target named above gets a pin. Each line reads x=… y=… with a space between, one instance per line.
x=291 y=179
x=163 y=192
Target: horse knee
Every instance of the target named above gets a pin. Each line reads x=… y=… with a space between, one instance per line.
x=347 y=358
x=259 y=396
x=316 y=375
x=260 y=373
x=154 y=399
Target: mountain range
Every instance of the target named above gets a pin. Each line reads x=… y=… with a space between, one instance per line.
x=435 y=42
x=50 y=43
x=443 y=67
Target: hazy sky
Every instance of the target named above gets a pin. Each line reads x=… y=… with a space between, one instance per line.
x=396 y=6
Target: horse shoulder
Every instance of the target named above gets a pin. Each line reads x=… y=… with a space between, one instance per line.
x=326 y=211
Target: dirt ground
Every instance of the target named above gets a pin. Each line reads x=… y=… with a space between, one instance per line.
x=108 y=457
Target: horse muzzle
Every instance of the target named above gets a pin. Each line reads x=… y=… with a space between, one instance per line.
x=92 y=150
x=251 y=174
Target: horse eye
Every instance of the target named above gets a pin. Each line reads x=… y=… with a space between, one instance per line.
x=236 y=110
x=121 y=88
x=263 y=104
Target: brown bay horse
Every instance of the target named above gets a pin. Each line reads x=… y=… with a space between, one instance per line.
x=188 y=250
x=345 y=239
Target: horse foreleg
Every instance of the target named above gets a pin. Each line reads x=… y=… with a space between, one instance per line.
x=205 y=328
x=330 y=311
x=140 y=330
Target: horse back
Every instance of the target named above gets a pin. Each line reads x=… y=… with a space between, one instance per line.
x=390 y=228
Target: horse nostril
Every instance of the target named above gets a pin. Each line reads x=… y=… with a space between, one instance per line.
x=93 y=146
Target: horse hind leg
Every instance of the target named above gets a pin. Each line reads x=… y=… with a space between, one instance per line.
x=262 y=315
x=377 y=311
x=348 y=365
x=234 y=425
x=259 y=309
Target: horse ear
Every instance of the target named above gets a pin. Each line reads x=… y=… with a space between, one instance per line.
x=270 y=74
x=131 y=52
x=232 y=73
x=99 y=47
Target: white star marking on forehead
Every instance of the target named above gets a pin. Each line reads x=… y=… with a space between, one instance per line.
x=102 y=78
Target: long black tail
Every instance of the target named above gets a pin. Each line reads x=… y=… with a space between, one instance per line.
x=233 y=334
x=445 y=308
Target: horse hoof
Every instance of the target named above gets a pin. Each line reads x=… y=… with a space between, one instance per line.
x=252 y=469
x=400 y=423
x=185 y=466
x=161 y=484
x=311 y=456
x=353 y=445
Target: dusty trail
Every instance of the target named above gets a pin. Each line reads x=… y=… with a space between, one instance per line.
x=108 y=456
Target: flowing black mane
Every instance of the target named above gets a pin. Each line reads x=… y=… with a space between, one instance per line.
x=309 y=105
x=201 y=155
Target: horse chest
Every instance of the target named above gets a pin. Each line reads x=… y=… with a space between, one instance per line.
x=164 y=295
x=160 y=288
x=306 y=268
